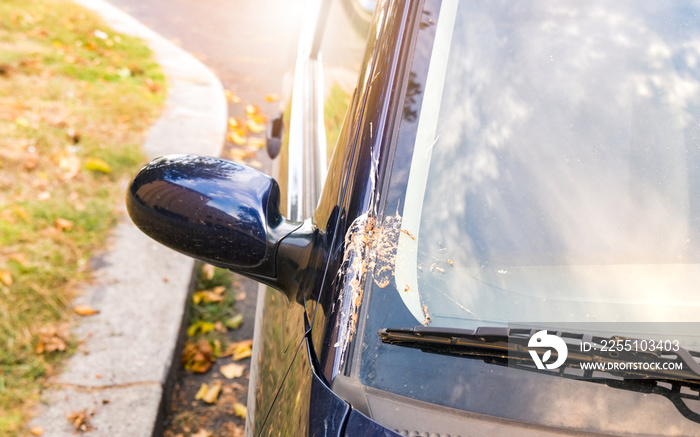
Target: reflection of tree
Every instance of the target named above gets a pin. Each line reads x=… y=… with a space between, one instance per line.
x=410 y=111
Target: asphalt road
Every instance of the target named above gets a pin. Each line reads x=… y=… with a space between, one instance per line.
x=249 y=44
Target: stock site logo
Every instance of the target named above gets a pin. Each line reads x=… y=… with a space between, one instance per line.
x=541 y=340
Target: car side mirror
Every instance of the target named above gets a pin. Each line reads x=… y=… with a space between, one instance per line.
x=217 y=211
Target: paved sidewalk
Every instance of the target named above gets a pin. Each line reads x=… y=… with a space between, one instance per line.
x=122 y=370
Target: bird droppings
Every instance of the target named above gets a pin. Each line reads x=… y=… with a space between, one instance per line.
x=368 y=248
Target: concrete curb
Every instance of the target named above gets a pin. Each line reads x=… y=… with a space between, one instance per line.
x=142 y=287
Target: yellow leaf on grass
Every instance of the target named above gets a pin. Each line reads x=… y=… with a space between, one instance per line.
x=240 y=410
x=6 y=277
x=206 y=296
x=98 y=165
x=232 y=370
x=22 y=213
x=84 y=310
x=200 y=326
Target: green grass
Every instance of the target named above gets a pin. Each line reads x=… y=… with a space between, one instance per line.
x=76 y=100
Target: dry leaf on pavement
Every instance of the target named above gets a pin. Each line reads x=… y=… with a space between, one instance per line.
x=240 y=410
x=232 y=370
x=240 y=350
x=207 y=393
x=79 y=420
x=231 y=96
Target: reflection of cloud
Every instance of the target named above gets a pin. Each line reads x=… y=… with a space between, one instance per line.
x=566 y=136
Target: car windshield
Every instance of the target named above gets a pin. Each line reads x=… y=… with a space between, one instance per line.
x=555 y=174
x=547 y=171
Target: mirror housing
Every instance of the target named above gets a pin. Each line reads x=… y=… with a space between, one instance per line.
x=216 y=211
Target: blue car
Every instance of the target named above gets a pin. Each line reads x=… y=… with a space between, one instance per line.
x=485 y=221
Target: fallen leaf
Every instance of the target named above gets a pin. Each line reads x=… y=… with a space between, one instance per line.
x=152 y=86
x=85 y=310
x=79 y=420
x=202 y=391
x=22 y=213
x=199 y=326
x=234 y=123
x=238 y=155
x=232 y=370
x=256 y=124
x=234 y=322
x=197 y=357
x=206 y=296
x=241 y=349
x=251 y=110
x=208 y=272
x=240 y=410
x=6 y=277
x=63 y=224
x=98 y=165
x=36 y=430
x=232 y=97
x=70 y=164
x=21 y=258
x=216 y=347
x=272 y=97
x=212 y=393
x=256 y=142
x=52 y=339
x=238 y=136
x=202 y=433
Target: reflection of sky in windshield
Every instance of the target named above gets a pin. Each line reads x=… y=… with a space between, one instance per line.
x=563 y=181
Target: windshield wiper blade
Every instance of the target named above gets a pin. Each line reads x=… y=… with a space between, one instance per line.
x=510 y=346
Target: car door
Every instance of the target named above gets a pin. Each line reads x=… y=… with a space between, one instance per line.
x=330 y=56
